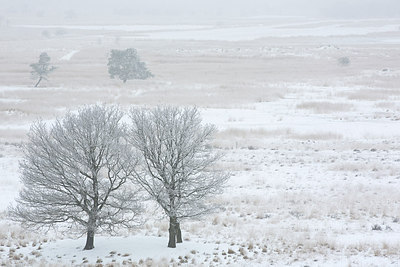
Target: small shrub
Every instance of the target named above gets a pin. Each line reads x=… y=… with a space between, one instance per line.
x=46 y=34
x=376 y=227
x=17 y=257
x=215 y=221
x=250 y=247
x=60 y=32
x=344 y=61
x=36 y=253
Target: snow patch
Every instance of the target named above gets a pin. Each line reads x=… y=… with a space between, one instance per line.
x=25 y=88
x=68 y=56
x=11 y=100
x=256 y=32
x=132 y=248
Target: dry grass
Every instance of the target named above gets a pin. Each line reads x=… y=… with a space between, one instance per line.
x=325 y=107
x=388 y=105
x=325 y=135
x=250 y=133
x=234 y=138
x=373 y=94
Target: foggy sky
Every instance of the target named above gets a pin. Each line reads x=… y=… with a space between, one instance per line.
x=202 y=8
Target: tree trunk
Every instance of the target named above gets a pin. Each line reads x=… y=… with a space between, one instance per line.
x=178 y=233
x=91 y=227
x=172 y=233
x=89 y=240
x=40 y=79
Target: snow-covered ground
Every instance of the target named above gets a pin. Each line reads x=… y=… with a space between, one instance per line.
x=313 y=147
x=238 y=32
x=134 y=248
x=262 y=31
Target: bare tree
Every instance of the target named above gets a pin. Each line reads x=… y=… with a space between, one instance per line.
x=77 y=173
x=177 y=168
x=126 y=65
x=42 y=68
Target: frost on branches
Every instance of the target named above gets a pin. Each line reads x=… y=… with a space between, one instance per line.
x=77 y=173
x=126 y=65
x=178 y=162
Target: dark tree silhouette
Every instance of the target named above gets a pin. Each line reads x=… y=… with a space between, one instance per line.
x=42 y=68
x=126 y=65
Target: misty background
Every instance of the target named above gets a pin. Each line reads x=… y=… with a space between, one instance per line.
x=195 y=9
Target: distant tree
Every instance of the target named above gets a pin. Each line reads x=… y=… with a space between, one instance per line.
x=42 y=69
x=344 y=61
x=70 y=14
x=126 y=65
x=177 y=170
x=46 y=34
x=77 y=173
x=60 y=32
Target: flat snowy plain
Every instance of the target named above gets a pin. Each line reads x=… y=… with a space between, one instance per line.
x=313 y=146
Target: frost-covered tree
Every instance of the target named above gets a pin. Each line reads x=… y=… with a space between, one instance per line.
x=126 y=65
x=177 y=169
x=77 y=173
x=42 y=68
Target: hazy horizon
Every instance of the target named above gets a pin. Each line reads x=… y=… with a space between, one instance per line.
x=182 y=9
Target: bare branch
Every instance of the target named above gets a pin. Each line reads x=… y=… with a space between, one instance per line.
x=176 y=170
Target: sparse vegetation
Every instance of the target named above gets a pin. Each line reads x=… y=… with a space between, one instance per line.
x=325 y=107
x=376 y=227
